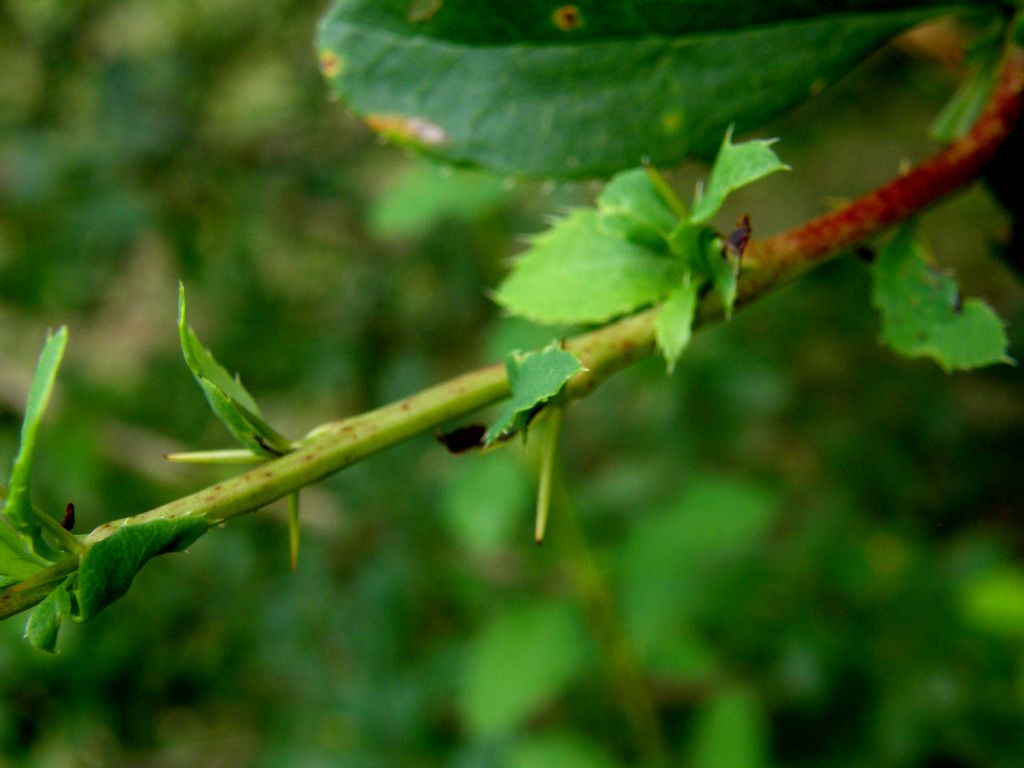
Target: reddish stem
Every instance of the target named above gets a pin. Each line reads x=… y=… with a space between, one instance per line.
x=901 y=198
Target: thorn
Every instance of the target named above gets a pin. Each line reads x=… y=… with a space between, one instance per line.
x=68 y=522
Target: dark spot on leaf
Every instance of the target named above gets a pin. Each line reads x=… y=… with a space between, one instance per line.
x=463 y=439
x=567 y=18
x=68 y=523
x=958 y=303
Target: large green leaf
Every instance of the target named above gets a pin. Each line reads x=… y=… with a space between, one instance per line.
x=592 y=87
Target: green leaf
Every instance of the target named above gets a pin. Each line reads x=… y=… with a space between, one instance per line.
x=17 y=562
x=673 y=326
x=994 y=601
x=44 y=622
x=736 y=166
x=106 y=571
x=525 y=657
x=922 y=314
x=633 y=208
x=576 y=272
x=533 y=378
x=485 y=501
x=558 y=750
x=585 y=89
x=731 y=733
x=430 y=194
x=230 y=401
x=18 y=508
x=667 y=557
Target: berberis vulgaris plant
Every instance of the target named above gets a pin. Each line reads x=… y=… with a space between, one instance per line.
x=593 y=89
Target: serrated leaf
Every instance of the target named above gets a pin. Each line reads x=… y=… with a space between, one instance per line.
x=922 y=314
x=736 y=166
x=576 y=273
x=585 y=89
x=17 y=508
x=533 y=378
x=228 y=399
x=673 y=327
x=106 y=571
x=43 y=625
x=633 y=208
x=525 y=657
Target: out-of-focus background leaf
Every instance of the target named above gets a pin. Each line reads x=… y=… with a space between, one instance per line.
x=814 y=547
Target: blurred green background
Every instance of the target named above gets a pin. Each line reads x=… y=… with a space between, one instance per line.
x=799 y=550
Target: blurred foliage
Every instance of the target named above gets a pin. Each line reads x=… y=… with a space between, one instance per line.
x=811 y=548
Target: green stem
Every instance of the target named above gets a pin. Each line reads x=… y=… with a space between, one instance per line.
x=25 y=594
x=68 y=540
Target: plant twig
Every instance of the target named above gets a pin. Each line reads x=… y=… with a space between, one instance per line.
x=335 y=446
x=796 y=249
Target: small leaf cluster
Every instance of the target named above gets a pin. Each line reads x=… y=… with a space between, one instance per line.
x=641 y=245
x=534 y=379
x=33 y=544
